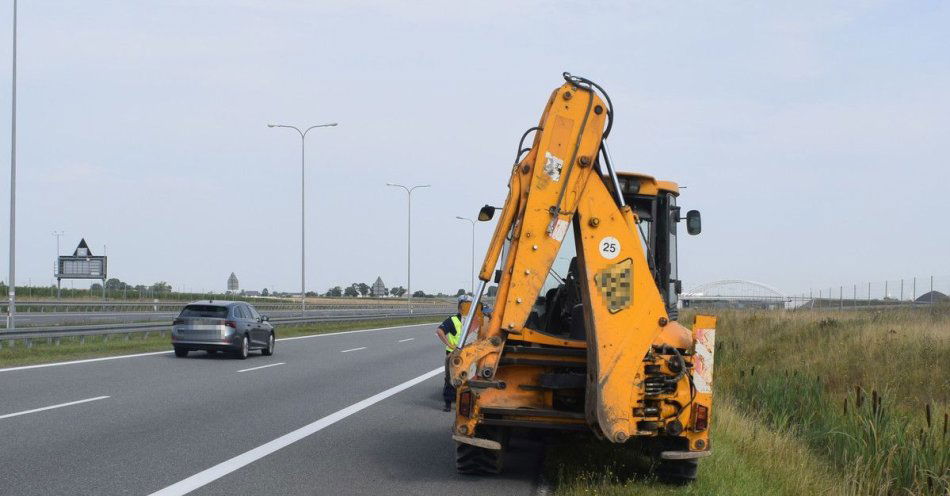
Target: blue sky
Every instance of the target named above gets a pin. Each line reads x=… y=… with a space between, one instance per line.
x=812 y=135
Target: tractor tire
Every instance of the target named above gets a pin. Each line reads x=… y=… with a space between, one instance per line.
x=472 y=460
x=677 y=471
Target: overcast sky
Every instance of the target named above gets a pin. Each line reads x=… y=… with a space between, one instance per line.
x=813 y=137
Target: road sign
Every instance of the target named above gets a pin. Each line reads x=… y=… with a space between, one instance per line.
x=82 y=264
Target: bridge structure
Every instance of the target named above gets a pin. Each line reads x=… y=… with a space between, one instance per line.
x=735 y=293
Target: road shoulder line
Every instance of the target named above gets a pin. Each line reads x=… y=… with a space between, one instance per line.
x=214 y=473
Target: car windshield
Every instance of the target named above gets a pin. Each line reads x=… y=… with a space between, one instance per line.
x=212 y=311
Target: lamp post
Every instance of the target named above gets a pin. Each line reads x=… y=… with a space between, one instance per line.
x=473 y=249
x=11 y=306
x=409 y=191
x=303 y=258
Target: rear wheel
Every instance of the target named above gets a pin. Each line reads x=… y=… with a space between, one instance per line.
x=677 y=471
x=181 y=352
x=243 y=350
x=269 y=350
x=673 y=471
x=473 y=460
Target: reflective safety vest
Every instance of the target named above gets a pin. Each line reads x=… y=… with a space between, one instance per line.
x=453 y=339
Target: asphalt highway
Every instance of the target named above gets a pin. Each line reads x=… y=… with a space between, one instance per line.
x=76 y=318
x=346 y=413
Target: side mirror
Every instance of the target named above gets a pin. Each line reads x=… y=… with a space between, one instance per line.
x=486 y=213
x=694 y=224
x=265 y=318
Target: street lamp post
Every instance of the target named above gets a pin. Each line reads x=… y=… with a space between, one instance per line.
x=11 y=306
x=473 y=249
x=303 y=260
x=409 y=191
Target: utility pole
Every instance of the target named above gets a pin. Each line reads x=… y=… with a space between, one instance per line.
x=303 y=231
x=409 y=191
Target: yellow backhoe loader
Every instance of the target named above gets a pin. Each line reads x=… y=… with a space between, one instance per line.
x=584 y=333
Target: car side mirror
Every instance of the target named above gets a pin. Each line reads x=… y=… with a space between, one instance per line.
x=694 y=223
x=486 y=213
x=265 y=318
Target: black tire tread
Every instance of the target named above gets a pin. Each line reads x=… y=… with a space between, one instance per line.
x=267 y=350
x=677 y=471
x=473 y=460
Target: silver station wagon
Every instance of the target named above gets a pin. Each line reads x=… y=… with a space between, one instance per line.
x=229 y=326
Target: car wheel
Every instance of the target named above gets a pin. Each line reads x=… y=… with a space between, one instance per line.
x=181 y=352
x=245 y=346
x=269 y=350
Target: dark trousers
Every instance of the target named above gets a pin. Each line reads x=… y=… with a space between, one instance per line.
x=448 y=390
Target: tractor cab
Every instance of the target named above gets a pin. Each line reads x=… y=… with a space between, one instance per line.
x=654 y=203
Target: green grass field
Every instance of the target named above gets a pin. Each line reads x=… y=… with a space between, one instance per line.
x=95 y=346
x=844 y=403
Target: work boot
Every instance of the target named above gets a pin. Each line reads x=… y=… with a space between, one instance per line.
x=447 y=407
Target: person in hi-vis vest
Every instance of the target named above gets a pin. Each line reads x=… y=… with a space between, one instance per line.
x=449 y=332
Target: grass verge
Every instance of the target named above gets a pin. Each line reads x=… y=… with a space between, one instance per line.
x=748 y=459
x=43 y=351
x=852 y=403
x=868 y=391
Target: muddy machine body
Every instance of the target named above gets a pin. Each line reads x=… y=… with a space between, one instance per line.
x=584 y=333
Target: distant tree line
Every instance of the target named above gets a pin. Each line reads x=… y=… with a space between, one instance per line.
x=360 y=290
x=115 y=284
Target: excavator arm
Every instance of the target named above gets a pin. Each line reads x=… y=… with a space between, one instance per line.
x=566 y=182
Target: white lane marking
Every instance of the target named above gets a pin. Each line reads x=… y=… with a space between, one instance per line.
x=404 y=340
x=88 y=360
x=101 y=359
x=224 y=468
x=17 y=414
x=263 y=367
x=354 y=332
x=354 y=349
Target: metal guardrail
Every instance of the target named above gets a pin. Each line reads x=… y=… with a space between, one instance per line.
x=145 y=327
x=138 y=305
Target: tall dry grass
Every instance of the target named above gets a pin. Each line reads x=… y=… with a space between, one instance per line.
x=867 y=390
